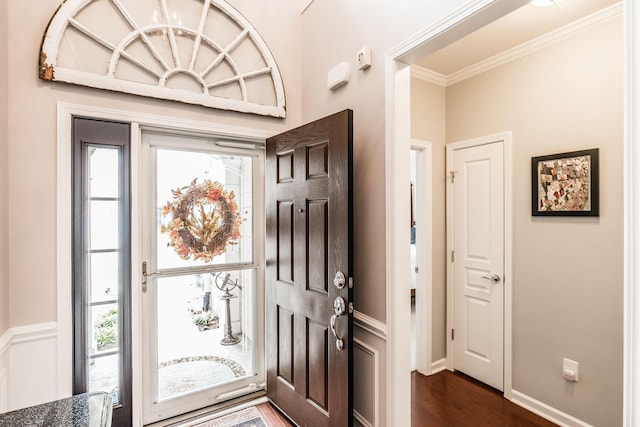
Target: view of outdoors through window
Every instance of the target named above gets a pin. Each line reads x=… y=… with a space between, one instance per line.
x=204 y=320
x=103 y=264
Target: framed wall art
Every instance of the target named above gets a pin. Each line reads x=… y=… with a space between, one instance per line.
x=565 y=184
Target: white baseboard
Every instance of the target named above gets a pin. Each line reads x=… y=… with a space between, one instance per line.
x=546 y=411
x=438 y=366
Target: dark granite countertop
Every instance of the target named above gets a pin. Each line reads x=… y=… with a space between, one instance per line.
x=87 y=409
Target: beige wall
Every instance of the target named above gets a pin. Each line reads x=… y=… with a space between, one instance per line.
x=333 y=32
x=428 y=123
x=568 y=272
x=32 y=138
x=4 y=201
x=546 y=326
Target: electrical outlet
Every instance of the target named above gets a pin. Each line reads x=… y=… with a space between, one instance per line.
x=570 y=369
x=363 y=58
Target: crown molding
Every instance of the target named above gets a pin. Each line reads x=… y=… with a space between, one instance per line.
x=429 y=76
x=576 y=28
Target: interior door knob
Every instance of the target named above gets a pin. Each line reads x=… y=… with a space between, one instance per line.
x=494 y=278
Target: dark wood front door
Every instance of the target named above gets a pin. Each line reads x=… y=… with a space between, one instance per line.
x=309 y=240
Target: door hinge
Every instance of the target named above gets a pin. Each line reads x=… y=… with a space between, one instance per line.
x=350 y=308
x=350 y=282
x=453 y=334
x=452 y=176
x=144 y=277
x=453 y=256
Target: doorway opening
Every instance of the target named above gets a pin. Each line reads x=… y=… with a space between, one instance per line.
x=421 y=252
x=398 y=137
x=206 y=139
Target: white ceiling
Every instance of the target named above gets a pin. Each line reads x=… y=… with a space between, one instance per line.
x=518 y=27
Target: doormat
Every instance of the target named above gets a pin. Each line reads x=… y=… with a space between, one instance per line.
x=263 y=415
x=195 y=372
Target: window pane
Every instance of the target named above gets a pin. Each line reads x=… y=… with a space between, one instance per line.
x=178 y=169
x=103 y=172
x=104 y=376
x=105 y=268
x=104 y=323
x=103 y=216
x=104 y=366
x=198 y=346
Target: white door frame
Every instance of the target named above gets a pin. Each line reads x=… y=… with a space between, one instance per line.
x=63 y=233
x=507 y=280
x=424 y=255
x=474 y=15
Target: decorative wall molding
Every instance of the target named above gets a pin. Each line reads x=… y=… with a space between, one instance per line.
x=35 y=332
x=374 y=400
x=370 y=325
x=209 y=55
x=560 y=35
x=360 y=419
x=5 y=341
x=545 y=411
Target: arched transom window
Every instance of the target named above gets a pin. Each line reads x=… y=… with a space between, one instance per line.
x=195 y=51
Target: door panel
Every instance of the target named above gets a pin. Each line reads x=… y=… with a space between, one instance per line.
x=478 y=223
x=309 y=239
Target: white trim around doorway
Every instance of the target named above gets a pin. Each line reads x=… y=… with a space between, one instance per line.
x=470 y=17
x=397 y=145
x=423 y=203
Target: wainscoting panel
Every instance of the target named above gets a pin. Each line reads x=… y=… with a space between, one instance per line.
x=32 y=365
x=5 y=342
x=365 y=373
x=4 y=389
x=369 y=379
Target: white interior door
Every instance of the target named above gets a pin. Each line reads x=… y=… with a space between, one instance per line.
x=476 y=203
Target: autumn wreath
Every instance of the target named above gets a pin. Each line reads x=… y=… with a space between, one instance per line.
x=204 y=220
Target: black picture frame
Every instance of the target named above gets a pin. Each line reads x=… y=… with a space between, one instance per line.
x=558 y=184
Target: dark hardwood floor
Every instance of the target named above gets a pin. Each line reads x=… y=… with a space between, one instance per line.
x=453 y=399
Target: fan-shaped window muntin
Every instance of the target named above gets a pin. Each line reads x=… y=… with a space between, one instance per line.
x=226 y=65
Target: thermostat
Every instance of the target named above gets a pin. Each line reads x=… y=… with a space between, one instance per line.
x=338 y=76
